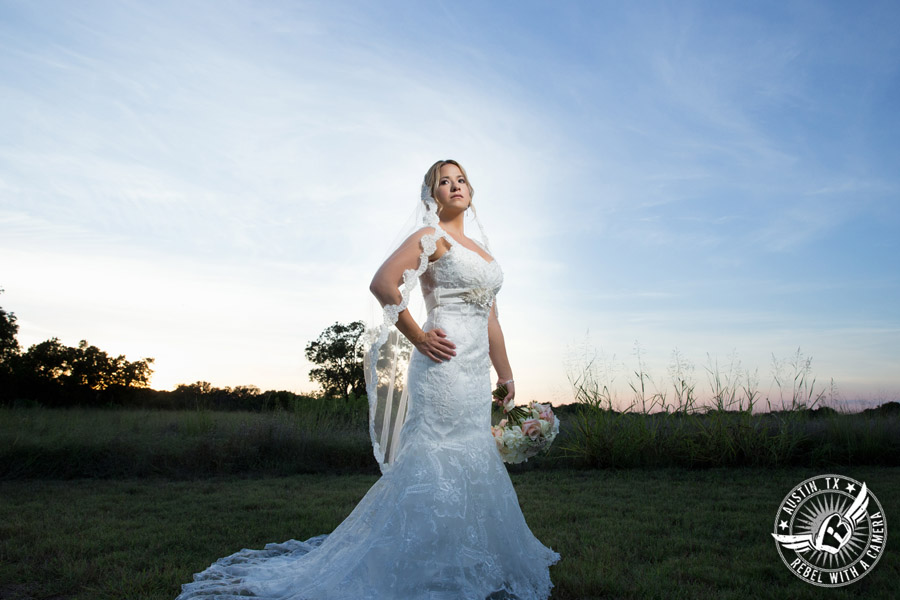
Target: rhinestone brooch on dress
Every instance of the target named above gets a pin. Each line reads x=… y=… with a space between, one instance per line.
x=481 y=296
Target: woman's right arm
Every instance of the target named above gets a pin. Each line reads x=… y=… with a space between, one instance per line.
x=385 y=286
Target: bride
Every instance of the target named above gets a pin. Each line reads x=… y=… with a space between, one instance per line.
x=443 y=522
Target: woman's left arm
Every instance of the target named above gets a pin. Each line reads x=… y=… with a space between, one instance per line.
x=497 y=352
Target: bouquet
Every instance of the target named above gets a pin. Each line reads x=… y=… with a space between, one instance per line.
x=523 y=431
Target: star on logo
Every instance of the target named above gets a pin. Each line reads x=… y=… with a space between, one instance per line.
x=827 y=525
x=833 y=533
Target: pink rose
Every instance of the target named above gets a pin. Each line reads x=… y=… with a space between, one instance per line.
x=547 y=415
x=502 y=423
x=532 y=428
x=497 y=432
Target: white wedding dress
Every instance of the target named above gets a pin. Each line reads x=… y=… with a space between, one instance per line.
x=444 y=523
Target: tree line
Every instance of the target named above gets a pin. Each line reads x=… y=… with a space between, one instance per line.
x=52 y=374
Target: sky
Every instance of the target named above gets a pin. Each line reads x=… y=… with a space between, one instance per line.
x=212 y=184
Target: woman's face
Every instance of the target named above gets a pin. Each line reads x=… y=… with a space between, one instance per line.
x=452 y=189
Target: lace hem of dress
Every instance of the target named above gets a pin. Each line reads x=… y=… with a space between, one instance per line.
x=226 y=579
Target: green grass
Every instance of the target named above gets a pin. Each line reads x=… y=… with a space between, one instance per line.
x=664 y=423
x=640 y=533
x=78 y=442
x=660 y=424
x=119 y=443
x=601 y=438
x=98 y=504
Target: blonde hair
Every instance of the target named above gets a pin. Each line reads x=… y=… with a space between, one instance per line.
x=433 y=177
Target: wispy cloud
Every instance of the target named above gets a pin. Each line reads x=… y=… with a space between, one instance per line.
x=642 y=171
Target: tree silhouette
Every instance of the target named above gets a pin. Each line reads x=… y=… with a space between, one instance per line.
x=339 y=353
x=84 y=365
x=9 y=345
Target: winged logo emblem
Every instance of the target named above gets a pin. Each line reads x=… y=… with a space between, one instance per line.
x=834 y=532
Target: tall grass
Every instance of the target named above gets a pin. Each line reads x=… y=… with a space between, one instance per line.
x=320 y=436
x=659 y=422
x=666 y=424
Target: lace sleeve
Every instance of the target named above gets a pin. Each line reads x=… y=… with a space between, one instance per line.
x=386 y=361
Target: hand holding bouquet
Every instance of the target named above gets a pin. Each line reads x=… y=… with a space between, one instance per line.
x=523 y=432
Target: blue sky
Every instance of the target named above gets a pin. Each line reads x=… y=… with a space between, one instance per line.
x=214 y=183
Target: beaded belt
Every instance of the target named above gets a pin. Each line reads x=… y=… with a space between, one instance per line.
x=483 y=297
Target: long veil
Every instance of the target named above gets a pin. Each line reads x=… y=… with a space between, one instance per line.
x=388 y=352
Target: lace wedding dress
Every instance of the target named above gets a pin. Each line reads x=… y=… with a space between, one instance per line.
x=444 y=523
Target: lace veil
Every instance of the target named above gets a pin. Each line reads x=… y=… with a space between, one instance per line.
x=388 y=352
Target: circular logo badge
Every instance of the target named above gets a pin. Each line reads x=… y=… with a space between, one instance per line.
x=830 y=530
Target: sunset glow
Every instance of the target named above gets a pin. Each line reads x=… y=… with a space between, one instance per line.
x=213 y=184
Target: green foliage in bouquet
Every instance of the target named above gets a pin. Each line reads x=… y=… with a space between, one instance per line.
x=514 y=416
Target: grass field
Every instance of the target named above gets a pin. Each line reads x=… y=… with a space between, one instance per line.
x=100 y=443
x=637 y=533
x=127 y=504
